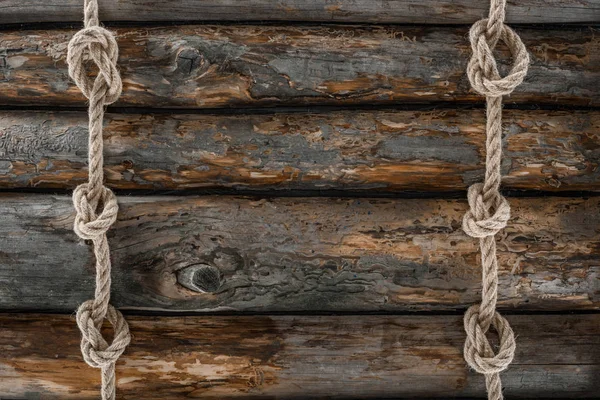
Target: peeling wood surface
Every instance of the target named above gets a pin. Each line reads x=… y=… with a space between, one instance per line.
x=300 y=254
x=366 y=357
x=250 y=65
x=441 y=150
x=382 y=11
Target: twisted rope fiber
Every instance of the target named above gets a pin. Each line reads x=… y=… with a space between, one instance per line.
x=96 y=205
x=489 y=211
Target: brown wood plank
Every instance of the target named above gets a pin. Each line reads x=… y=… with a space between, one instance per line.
x=251 y=65
x=366 y=357
x=379 y=11
x=300 y=254
x=387 y=151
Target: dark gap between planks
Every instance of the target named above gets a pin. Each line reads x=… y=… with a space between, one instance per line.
x=49 y=25
x=300 y=313
x=315 y=109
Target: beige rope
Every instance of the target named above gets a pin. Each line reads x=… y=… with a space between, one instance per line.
x=95 y=204
x=489 y=211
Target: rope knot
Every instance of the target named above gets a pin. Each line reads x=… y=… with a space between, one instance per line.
x=96 y=351
x=482 y=69
x=88 y=224
x=98 y=45
x=489 y=212
x=478 y=351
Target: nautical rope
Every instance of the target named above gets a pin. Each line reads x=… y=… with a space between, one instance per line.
x=489 y=210
x=96 y=205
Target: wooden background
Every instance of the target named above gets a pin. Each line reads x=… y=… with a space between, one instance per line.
x=292 y=178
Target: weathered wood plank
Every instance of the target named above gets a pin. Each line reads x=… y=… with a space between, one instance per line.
x=225 y=66
x=300 y=254
x=356 y=150
x=379 y=11
x=558 y=356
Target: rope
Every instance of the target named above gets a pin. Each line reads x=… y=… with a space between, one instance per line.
x=96 y=205
x=489 y=211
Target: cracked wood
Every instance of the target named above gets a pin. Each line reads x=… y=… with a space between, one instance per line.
x=387 y=151
x=210 y=66
x=378 y=11
x=300 y=254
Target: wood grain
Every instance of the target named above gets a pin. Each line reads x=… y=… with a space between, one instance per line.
x=300 y=254
x=379 y=11
x=367 y=357
x=386 y=151
x=251 y=65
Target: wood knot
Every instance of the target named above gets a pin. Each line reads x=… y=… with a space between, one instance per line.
x=190 y=61
x=202 y=278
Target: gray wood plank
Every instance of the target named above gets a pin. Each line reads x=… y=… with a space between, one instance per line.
x=384 y=151
x=208 y=66
x=366 y=357
x=374 y=11
x=299 y=254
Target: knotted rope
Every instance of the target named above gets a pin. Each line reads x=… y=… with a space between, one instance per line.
x=96 y=205
x=489 y=211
